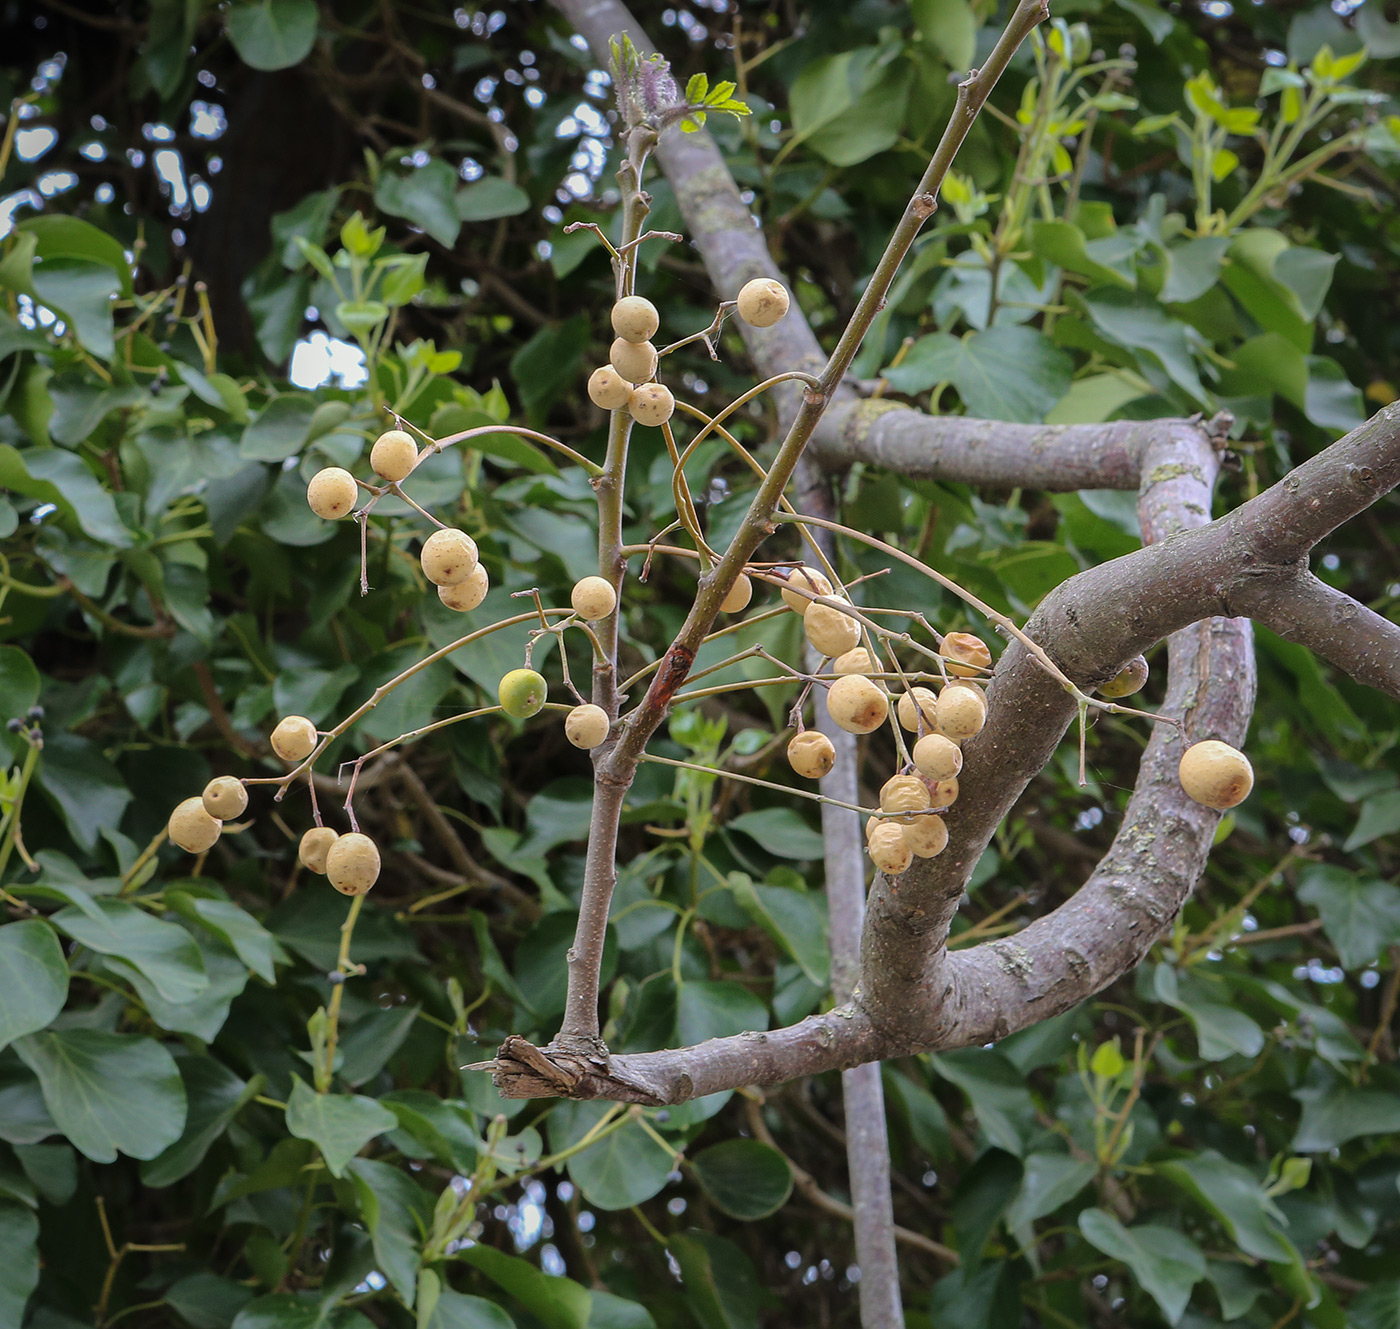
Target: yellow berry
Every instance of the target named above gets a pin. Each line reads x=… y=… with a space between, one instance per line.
x=522 y=693
x=294 y=738
x=943 y=794
x=830 y=630
x=739 y=596
x=889 y=850
x=352 y=863
x=448 y=557
x=593 y=598
x=903 y=793
x=926 y=836
x=332 y=493
x=635 y=361
x=811 y=754
x=586 y=726
x=856 y=661
x=315 y=845
x=937 y=757
x=916 y=703
x=192 y=828
x=961 y=712
x=967 y=656
x=857 y=705
x=634 y=318
x=1215 y=774
x=393 y=456
x=762 y=302
x=464 y=596
x=872 y=822
x=608 y=389
x=1128 y=680
x=809 y=579
x=652 y=404
x=225 y=797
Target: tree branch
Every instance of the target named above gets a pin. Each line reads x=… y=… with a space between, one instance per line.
x=1091 y=624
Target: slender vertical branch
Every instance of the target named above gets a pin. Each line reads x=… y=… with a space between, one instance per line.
x=616 y=765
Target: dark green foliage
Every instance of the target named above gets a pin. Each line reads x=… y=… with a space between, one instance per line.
x=1216 y=1139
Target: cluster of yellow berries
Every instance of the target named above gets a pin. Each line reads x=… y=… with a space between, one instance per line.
x=627 y=380
x=909 y=823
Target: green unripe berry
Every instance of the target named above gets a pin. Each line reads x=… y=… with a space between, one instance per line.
x=522 y=693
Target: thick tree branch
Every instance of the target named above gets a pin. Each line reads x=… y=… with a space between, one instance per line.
x=1355 y=639
x=1090 y=625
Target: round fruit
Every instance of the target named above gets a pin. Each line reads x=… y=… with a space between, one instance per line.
x=635 y=361
x=915 y=704
x=608 y=389
x=586 y=726
x=903 y=793
x=856 y=661
x=944 y=794
x=1126 y=681
x=393 y=456
x=652 y=404
x=332 y=493
x=937 y=757
x=889 y=850
x=448 y=557
x=926 y=836
x=961 y=712
x=352 y=863
x=225 y=797
x=294 y=739
x=810 y=579
x=634 y=318
x=830 y=631
x=871 y=823
x=739 y=596
x=314 y=847
x=857 y=705
x=466 y=595
x=1215 y=774
x=593 y=598
x=762 y=302
x=811 y=754
x=967 y=656
x=192 y=828
x=522 y=693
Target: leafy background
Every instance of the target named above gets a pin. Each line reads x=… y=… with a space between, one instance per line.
x=193 y=322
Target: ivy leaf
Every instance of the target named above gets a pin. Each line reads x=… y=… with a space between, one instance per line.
x=624 y=1168
x=396 y=1210
x=747 y=1179
x=108 y=1093
x=57 y=476
x=19 y=1271
x=164 y=953
x=339 y=1125
x=1167 y=1263
x=36 y=978
x=273 y=34
x=1360 y=915
x=557 y=1303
